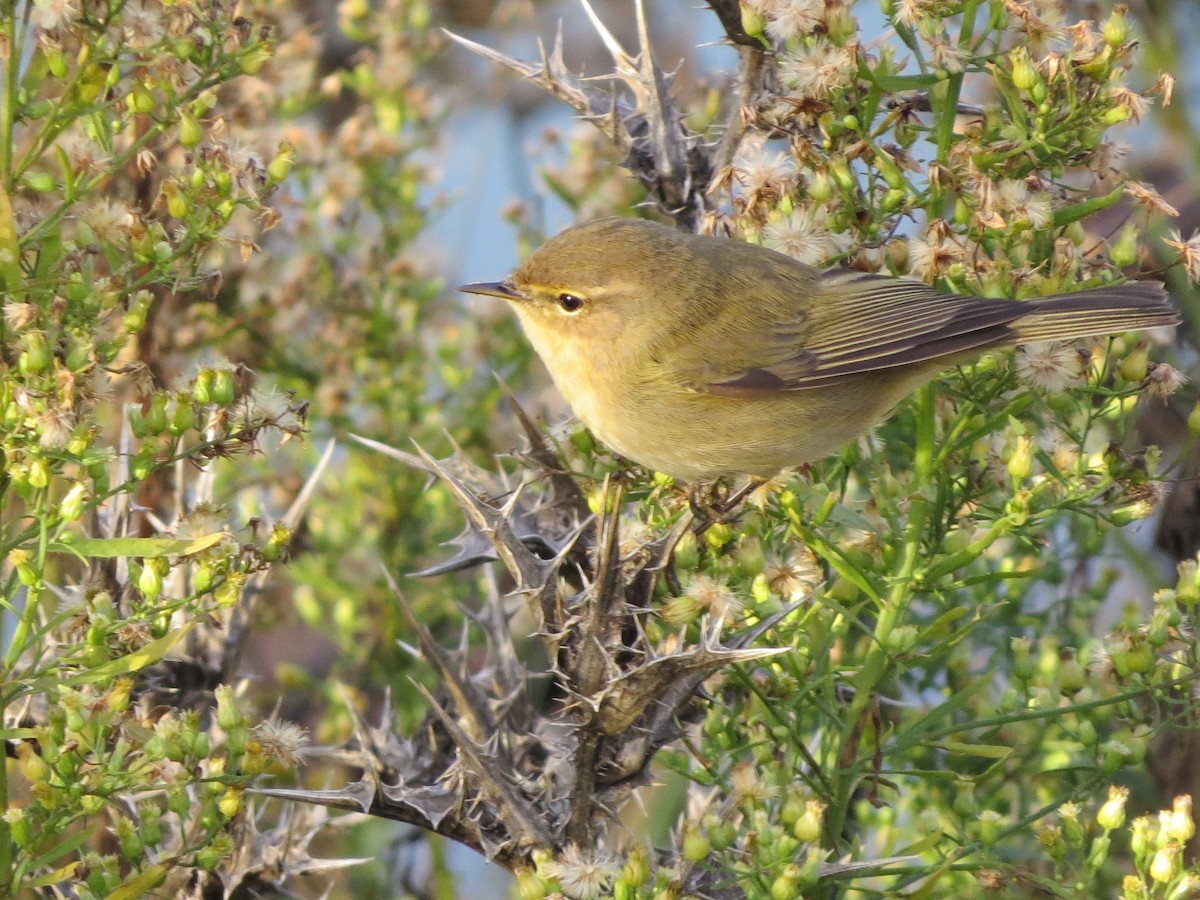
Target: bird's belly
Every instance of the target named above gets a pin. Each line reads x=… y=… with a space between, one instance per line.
x=695 y=436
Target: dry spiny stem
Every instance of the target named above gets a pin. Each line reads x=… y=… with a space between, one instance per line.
x=492 y=766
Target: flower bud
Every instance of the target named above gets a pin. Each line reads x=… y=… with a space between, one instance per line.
x=989 y=827
x=1070 y=674
x=1165 y=865
x=1116 y=29
x=1024 y=75
x=70 y=508
x=228 y=714
x=1124 y=250
x=1179 y=825
x=1141 y=840
x=1112 y=814
x=808 y=826
x=281 y=164
x=223 y=386
x=149 y=581
x=190 y=132
x=785 y=887
x=1020 y=461
x=230 y=802
x=695 y=844
x=35 y=353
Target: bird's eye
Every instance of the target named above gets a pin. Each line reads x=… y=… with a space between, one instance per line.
x=570 y=303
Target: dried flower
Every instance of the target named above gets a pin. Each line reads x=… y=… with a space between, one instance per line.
x=1163 y=380
x=712 y=595
x=50 y=15
x=813 y=72
x=931 y=256
x=764 y=176
x=1189 y=251
x=748 y=785
x=1152 y=200
x=582 y=874
x=792 y=576
x=793 y=19
x=1131 y=101
x=281 y=741
x=19 y=316
x=803 y=236
x=1050 y=366
x=109 y=220
x=1164 y=87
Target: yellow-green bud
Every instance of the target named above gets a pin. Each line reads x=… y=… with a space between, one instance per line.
x=1112 y=814
x=1020 y=461
x=1116 y=29
x=279 y=167
x=695 y=844
x=254 y=58
x=1135 y=364
x=989 y=827
x=843 y=177
x=223 y=386
x=178 y=203
x=1179 y=823
x=35 y=353
x=1024 y=75
x=808 y=826
x=71 y=506
x=1124 y=250
x=39 y=473
x=228 y=714
x=202 y=388
x=1165 y=865
x=1141 y=837
x=1070 y=675
x=637 y=866
x=202 y=578
x=140 y=100
x=785 y=886
x=230 y=802
x=182 y=416
x=820 y=188
x=529 y=885
x=1115 y=115
x=190 y=132
x=41 y=182
x=149 y=582
x=18 y=825
x=156 y=415
x=117 y=698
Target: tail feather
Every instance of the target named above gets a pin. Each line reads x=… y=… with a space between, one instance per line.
x=1108 y=310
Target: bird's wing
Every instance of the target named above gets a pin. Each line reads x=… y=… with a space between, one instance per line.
x=860 y=323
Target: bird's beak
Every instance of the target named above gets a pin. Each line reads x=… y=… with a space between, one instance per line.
x=501 y=289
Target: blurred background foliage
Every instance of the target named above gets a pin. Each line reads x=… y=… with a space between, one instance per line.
x=209 y=251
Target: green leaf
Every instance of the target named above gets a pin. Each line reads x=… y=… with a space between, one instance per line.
x=898 y=83
x=988 y=751
x=137 y=885
x=138 y=659
x=58 y=876
x=108 y=548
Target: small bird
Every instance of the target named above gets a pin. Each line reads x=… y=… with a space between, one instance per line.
x=703 y=357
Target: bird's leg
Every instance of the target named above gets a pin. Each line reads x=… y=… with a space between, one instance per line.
x=713 y=502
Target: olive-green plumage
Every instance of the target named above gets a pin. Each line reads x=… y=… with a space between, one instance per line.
x=701 y=356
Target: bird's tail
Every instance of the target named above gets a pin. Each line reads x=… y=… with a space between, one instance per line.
x=1107 y=310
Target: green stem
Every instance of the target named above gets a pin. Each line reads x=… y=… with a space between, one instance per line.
x=25 y=624
x=8 y=96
